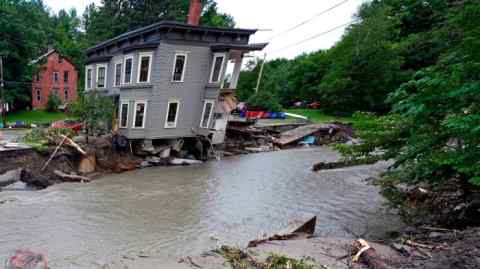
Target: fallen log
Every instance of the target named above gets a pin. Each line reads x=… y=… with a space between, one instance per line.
x=366 y=255
x=53 y=154
x=71 y=178
x=74 y=145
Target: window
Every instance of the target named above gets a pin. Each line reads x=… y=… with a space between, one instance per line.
x=217 y=68
x=60 y=60
x=229 y=72
x=124 y=114
x=172 y=114
x=39 y=95
x=127 y=73
x=207 y=113
x=55 y=77
x=140 y=114
x=88 y=78
x=101 y=76
x=179 y=67
x=39 y=77
x=65 y=94
x=65 y=76
x=118 y=74
x=144 y=66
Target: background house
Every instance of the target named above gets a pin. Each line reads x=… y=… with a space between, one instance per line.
x=56 y=75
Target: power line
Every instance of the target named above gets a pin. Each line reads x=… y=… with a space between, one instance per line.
x=308 y=20
x=314 y=37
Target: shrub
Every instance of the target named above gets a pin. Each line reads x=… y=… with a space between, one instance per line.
x=94 y=110
x=53 y=103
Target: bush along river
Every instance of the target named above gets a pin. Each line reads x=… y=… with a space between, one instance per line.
x=171 y=212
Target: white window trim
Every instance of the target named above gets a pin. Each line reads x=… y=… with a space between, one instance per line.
x=123 y=102
x=58 y=77
x=171 y=101
x=106 y=72
x=140 y=56
x=124 y=69
x=203 y=113
x=215 y=56
x=115 y=74
x=86 y=77
x=184 y=66
x=135 y=114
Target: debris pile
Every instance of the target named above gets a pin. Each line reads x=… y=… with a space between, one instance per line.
x=244 y=138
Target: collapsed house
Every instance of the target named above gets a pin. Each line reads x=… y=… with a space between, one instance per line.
x=171 y=80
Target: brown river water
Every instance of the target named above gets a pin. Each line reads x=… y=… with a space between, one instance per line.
x=170 y=212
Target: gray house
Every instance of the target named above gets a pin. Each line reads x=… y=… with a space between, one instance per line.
x=171 y=80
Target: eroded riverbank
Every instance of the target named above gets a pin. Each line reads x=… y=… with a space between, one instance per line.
x=171 y=212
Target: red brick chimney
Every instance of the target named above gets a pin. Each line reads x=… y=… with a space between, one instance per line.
x=195 y=12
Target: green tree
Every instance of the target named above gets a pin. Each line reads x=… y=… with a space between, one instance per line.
x=53 y=103
x=94 y=110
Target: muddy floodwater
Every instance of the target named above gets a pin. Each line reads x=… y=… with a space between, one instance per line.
x=176 y=211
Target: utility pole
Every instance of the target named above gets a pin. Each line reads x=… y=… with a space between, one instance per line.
x=2 y=94
x=261 y=73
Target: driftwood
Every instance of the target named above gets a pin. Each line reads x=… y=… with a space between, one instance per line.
x=53 y=154
x=74 y=145
x=366 y=255
x=72 y=178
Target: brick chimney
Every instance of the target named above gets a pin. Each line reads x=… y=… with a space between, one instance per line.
x=195 y=12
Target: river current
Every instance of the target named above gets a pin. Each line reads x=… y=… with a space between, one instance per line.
x=176 y=211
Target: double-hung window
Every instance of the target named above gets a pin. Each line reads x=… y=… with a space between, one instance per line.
x=207 y=113
x=127 y=69
x=173 y=109
x=140 y=114
x=102 y=76
x=65 y=94
x=65 y=76
x=217 y=68
x=88 y=77
x=179 y=66
x=56 y=77
x=39 y=95
x=118 y=74
x=124 y=106
x=144 y=67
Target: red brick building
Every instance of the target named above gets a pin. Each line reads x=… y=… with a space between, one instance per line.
x=57 y=75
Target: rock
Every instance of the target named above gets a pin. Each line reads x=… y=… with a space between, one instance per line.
x=178 y=161
x=154 y=160
x=11 y=177
x=144 y=164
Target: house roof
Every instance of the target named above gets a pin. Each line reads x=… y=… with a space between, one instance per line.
x=43 y=56
x=247 y=47
x=170 y=25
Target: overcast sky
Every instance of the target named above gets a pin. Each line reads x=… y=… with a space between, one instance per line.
x=275 y=15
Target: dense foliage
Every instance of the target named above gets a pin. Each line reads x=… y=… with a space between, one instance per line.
x=53 y=102
x=28 y=28
x=433 y=130
x=95 y=111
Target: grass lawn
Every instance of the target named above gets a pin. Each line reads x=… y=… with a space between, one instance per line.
x=36 y=117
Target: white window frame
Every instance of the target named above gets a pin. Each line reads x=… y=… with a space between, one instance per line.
x=106 y=76
x=175 y=65
x=172 y=101
x=123 y=102
x=115 y=74
x=135 y=114
x=203 y=113
x=215 y=56
x=86 y=77
x=140 y=56
x=124 y=69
